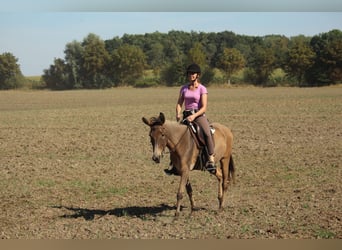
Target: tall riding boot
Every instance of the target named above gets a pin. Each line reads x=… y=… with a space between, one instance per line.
x=210 y=166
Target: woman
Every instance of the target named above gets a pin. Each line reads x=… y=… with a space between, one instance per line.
x=194 y=96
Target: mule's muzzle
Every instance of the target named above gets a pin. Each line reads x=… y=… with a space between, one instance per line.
x=156 y=159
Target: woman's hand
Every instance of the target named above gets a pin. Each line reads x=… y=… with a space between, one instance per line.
x=178 y=117
x=191 y=118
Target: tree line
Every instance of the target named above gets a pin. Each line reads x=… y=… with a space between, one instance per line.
x=161 y=58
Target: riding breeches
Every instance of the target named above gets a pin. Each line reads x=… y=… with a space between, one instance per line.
x=203 y=122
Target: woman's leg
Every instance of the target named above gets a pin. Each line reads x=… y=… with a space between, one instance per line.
x=204 y=124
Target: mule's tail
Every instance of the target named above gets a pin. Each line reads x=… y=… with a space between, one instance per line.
x=231 y=174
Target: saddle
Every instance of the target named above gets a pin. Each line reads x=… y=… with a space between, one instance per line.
x=196 y=132
x=198 y=135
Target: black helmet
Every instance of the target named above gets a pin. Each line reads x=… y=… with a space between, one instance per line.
x=193 y=68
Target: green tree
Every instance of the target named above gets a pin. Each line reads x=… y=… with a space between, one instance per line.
x=73 y=57
x=56 y=77
x=197 y=55
x=113 y=44
x=174 y=73
x=94 y=63
x=334 y=60
x=328 y=64
x=88 y=64
x=230 y=61
x=128 y=64
x=262 y=64
x=300 y=57
x=156 y=58
x=10 y=74
x=208 y=42
x=171 y=51
x=279 y=45
x=226 y=39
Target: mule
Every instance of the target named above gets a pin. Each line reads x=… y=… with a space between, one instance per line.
x=184 y=152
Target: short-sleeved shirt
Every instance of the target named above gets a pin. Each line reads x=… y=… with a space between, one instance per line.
x=192 y=98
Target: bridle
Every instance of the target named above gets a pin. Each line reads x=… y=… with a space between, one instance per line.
x=172 y=148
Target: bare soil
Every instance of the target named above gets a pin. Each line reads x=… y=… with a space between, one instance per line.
x=77 y=165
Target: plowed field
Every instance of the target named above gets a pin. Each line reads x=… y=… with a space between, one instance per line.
x=77 y=165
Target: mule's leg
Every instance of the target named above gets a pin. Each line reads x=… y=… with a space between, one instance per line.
x=183 y=181
x=231 y=170
x=223 y=181
x=219 y=179
x=189 y=191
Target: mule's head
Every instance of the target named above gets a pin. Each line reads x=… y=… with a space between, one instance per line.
x=157 y=135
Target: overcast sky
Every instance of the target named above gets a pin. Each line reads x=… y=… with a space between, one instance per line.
x=36 y=34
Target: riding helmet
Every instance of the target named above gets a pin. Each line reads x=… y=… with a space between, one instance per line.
x=193 y=68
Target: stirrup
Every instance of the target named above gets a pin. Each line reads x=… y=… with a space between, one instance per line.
x=210 y=167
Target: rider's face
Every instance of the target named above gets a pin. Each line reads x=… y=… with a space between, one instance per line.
x=192 y=76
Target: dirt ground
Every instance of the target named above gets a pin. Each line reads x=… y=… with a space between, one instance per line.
x=77 y=165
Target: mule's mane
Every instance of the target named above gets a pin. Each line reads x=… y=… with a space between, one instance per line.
x=175 y=130
x=155 y=121
x=173 y=124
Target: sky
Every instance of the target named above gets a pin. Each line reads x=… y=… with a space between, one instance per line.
x=36 y=34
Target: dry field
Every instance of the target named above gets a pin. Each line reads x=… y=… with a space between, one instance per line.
x=77 y=165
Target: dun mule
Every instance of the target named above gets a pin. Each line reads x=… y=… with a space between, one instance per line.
x=184 y=152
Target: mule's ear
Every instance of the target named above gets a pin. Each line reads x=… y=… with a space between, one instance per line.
x=162 y=117
x=146 y=121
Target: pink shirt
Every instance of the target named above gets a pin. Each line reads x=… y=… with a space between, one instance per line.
x=192 y=98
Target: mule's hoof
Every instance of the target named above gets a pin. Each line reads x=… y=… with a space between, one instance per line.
x=172 y=171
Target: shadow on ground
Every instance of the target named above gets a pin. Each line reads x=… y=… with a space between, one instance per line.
x=134 y=211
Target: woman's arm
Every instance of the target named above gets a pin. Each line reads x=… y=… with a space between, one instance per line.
x=179 y=106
